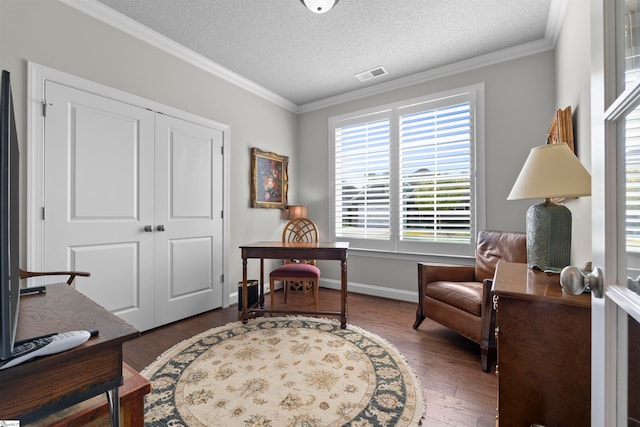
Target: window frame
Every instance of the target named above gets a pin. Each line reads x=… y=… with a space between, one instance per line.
x=474 y=94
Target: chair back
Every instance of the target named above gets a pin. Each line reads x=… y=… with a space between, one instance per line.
x=300 y=230
x=494 y=246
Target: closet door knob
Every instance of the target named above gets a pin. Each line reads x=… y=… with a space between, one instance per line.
x=160 y=227
x=148 y=228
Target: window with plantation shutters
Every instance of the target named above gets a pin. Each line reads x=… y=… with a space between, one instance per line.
x=362 y=180
x=405 y=177
x=435 y=174
x=632 y=169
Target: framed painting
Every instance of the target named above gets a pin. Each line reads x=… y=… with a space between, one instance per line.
x=561 y=129
x=269 y=179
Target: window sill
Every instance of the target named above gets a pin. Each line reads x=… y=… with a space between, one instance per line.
x=409 y=256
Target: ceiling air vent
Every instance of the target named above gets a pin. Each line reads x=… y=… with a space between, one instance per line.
x=371 y=74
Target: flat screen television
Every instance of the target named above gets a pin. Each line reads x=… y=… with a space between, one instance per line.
x=9 y=221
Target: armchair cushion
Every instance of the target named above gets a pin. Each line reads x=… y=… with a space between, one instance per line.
x=466 y=296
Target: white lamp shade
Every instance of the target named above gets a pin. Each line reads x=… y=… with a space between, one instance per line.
x=319 y=6
x=551 y=171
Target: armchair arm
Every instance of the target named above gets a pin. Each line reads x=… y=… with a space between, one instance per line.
x=451 y=273
x=428 y=273
x=72 y=274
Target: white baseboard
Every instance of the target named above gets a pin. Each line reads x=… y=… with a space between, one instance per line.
x=358 y=288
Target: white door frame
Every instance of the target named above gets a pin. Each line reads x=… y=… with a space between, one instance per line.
x=37 y=75
x=609 y=370
x=603 y=191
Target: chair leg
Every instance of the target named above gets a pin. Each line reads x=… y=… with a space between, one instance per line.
x=487 y=357
x=285 y=288
x=419 y=318
x=315 y=293
x=484 y=358
x=271 y=290
x=488 y=339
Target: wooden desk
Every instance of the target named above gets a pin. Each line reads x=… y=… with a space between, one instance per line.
x=279 y=250
x=544 y=349
x=45 y=385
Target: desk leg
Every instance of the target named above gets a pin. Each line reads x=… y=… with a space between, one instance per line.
x=343 y=289
x=262 y=283
x=114 y=406
x=245 y=297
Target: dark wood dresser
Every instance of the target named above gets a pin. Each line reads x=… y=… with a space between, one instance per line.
x=544 y=349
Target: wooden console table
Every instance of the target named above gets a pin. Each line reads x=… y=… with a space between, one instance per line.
x=42 y=386
x=279 y=250
x=544 y=349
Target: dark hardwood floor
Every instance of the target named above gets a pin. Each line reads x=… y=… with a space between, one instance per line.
x=457 y=391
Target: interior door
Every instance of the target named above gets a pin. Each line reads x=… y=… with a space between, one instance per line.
x=99 y=181
x=189 y=223
x=616 y=210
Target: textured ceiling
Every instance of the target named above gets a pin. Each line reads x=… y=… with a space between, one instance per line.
x=306 y=57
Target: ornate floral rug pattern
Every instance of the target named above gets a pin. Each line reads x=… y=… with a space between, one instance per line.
x=283 y=371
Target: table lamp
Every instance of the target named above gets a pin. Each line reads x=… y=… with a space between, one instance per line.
x=551 y=171
x=296 y=211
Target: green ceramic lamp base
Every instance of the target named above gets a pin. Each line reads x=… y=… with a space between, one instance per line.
x=548 y=236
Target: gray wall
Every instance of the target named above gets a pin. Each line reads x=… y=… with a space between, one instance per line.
x=52 y=34
x=573 y=87
x=520 y=98
x=519 y=102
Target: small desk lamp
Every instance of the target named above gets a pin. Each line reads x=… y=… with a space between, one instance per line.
x=296 y=211
x=550 y=171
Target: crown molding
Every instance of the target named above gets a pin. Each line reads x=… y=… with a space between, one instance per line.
x=123 y=23
x=103 y=13
x=554 y=21
x=552 y=32
x=435 y=73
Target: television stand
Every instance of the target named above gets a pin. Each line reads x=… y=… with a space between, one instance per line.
x=45 y=385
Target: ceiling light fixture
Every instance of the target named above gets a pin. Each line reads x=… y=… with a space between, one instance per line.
x=319 y=6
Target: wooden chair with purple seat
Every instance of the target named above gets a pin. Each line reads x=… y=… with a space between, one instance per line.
x=301 y=230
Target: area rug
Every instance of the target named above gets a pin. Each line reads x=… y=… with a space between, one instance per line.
x=283 y=371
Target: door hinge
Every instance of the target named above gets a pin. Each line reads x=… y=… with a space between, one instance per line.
x=222 y=214
x=222 y=150
x=222 y=278
x=45 y=105
x=43 y=213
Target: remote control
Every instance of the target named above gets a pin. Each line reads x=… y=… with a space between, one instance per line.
x=44 y=346
x=65 y=341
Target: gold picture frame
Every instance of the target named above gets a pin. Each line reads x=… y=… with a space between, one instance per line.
x=561 y=129
x=269 y=179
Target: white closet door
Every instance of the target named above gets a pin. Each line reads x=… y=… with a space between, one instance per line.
x=99 y=196
x=189 y=224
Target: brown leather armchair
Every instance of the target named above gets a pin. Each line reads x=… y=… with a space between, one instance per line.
x=459 y=297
